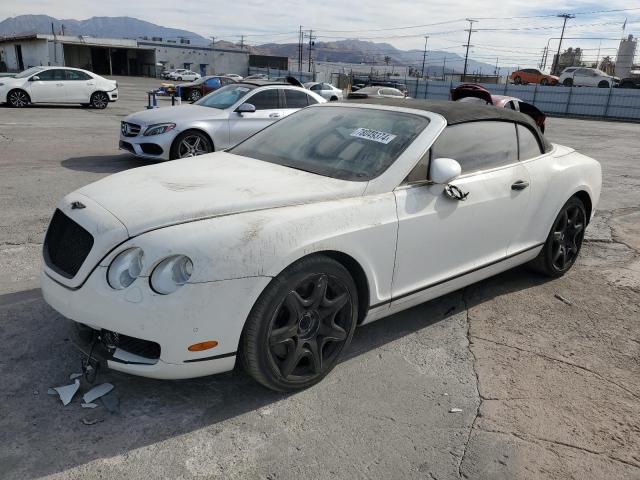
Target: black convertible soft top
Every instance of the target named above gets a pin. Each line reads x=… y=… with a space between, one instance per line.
x=456 y=112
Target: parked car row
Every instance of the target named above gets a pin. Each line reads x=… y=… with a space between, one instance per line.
x=570 y=77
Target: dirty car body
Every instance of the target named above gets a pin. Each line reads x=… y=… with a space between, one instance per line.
x=366 y=189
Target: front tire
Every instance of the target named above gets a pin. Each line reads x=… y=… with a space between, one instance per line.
x=544 y=82
x=190 y=144
x=603 y=84
x=568 y=82
x=195 y=95
x=563 y=244
x=517 y=81
x=300 y=325
x=99 y=100
x=18 y=98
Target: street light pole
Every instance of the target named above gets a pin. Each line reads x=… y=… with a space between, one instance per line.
x=466 y=55
x=556 y=62
x=424 y=55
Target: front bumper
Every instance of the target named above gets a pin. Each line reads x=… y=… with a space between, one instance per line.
x=156 y=147
x=113 y=95
x=194 y=313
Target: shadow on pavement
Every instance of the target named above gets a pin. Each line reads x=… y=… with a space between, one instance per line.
x=105 y=163
x=40 y=437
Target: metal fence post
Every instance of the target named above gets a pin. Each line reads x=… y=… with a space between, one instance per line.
x=606 y=109
x=535 y=91
x=426 y=88
x=566 y=110
x=505 y=87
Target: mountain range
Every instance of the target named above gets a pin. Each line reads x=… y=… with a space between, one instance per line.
x=343 y=51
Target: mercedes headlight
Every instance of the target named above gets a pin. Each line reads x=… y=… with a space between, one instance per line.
x=171 y=273
x=159 y=128
x=125 y=268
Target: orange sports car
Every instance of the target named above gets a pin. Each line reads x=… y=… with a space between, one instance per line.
x=532 y=75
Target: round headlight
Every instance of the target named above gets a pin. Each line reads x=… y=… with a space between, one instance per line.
x=171 y=273
x=125 y=268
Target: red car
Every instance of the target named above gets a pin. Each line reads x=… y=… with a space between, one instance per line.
x=199 y=88
x=471 y=92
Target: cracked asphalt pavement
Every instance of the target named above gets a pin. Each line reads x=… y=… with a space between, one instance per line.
x=545 y=373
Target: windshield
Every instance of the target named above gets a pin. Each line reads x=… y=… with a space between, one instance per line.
x=28 y=72
x=348 y=143
x=225 y=97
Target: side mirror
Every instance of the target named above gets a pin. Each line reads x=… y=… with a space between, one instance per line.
x=35 y=78
x=246 y=108
x=444 y=170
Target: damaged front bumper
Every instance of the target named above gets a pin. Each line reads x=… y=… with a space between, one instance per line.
x=133 y=320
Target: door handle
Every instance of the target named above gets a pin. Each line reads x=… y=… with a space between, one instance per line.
x=274 y=115
x=520 y=185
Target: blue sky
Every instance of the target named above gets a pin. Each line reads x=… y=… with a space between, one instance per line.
x=278 y=21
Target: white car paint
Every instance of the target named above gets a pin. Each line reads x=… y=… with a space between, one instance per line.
x=587 y=77
x=182 y=74
x=243 y=221
x=326 y=90
x=58 y=85
x=235 y=76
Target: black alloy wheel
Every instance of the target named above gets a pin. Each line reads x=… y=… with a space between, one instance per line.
x=544 y=82
x=195 y=95
x=300 y=325
x=568 y=82
x=564 y=241
x=18 y=98
x=517 y=81
x=99 y=100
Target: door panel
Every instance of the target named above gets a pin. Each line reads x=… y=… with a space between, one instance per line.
x=440 y=237
x=267 y=103
x=50 y=87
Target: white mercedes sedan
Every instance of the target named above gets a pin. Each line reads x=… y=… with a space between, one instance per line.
x=58 y=85
x=217 y=121
x=271 y=253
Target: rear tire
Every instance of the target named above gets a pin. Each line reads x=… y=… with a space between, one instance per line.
x=301 y=324
x=564 y=241
x=18 y=98
x=517 y=81
x=628 y=85
x=603 y=84
x=99 y=100
x=544 y=82
x=568 y=82
x=195 y=95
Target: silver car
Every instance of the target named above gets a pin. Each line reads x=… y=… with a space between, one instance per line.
x=215 y=122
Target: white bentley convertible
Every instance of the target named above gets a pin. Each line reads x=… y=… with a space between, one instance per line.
x=271 y=253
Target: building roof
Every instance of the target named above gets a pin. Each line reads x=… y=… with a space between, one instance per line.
x=456 y=112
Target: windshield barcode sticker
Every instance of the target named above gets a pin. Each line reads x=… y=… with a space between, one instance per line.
x=374 y=135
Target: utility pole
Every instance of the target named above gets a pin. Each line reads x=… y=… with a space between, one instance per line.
x=424 y=55
x=542 y=61
x=444 y=64
x=495 y=71
x=556 y=62
x=300 y=41
x=241 y=42
x=311 y=44
x=466 y=55
x=598 y=55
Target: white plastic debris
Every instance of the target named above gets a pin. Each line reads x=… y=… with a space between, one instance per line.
x=97 y=392
x=455 y=410
x=129 y=357
x=73 y=376
x=91 y=421
x=66 y=392
x=51 y=391
x=89 y=405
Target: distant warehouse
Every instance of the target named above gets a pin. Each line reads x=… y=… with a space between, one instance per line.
x=109 y=56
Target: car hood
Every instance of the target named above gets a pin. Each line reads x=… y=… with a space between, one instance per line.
x=173 y=114
x=209 y=186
